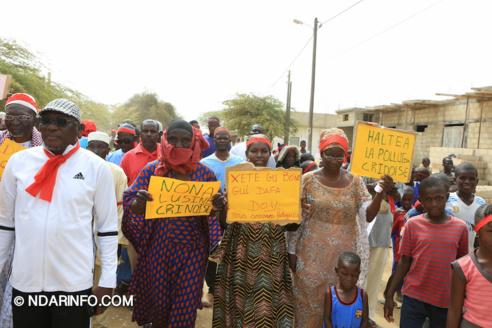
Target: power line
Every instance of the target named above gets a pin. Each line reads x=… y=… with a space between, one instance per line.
x=304 y=47
x=387 y=29
x=292 y=63
x=355 y=4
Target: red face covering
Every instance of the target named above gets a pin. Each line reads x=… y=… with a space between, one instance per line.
x=181 y=160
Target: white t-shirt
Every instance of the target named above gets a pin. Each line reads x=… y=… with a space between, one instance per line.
x=465 y=213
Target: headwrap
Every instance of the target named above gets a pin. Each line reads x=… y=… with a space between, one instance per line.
x=127 y=128
x=332 y=138
x=98 y=136
x=45 y=179
x=483 y=222
x=214 y=119
x=180 y=159
x=194 y=123
x=24 y=100
x=89 y=126
x=308 y=167
x=279 y=149
x=258 y=138
x=63 y=106
x=219 y=129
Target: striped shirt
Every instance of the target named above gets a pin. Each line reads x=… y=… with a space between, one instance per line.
x=432 y=247
x=478 y=290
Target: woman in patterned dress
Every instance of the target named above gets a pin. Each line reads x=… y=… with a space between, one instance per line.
x=172 y=252
x=340 y=209
x=253 y=284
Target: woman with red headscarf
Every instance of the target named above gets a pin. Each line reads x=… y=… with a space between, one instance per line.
x=172 y=252
x=341 y=206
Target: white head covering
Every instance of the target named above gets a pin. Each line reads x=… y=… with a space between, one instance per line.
x=98 y=136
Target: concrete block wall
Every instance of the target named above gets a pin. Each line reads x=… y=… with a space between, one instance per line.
x=431 y=137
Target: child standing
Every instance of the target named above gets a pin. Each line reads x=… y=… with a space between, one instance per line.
x=464 y=203
x=472 y=278
x=430 y=243
x=346 y=304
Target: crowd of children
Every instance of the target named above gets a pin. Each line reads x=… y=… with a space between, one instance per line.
x=442 y=248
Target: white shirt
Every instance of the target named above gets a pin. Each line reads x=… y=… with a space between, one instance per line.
x=465 y=213
x=54 y=241
x=240 y=150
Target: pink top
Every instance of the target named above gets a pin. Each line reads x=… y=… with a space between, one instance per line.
x=478 y=287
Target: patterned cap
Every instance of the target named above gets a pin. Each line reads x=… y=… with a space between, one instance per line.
x=63 y=106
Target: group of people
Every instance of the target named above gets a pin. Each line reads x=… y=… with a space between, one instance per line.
x=67 y=214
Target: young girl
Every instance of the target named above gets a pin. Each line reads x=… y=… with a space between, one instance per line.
x=289 y=157
x=472 y=278
x=253 y=284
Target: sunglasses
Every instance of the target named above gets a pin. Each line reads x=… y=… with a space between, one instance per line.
x=124 y=141
x=59 y=121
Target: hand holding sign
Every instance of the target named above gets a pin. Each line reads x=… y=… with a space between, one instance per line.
x=7 y=149
x=379 y=151
x=168 y=197
x=263 y=194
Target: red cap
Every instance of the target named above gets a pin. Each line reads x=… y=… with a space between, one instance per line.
x=90 y=126
x=24 y=100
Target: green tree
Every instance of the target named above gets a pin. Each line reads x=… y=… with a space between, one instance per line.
x=26 y=70
x=247 y=109
x=142 y=106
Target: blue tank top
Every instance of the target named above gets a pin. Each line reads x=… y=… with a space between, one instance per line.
x=346 y=315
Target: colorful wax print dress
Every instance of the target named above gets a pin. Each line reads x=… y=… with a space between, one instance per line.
x=172 y=258
x=336 y=224
x=253 y=283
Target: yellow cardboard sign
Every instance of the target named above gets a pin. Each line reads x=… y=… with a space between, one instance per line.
x=173 y=198
x=263 y=194
x=7 y=149
x=378 y=151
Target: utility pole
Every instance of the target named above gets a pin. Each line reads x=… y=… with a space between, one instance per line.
x=287 y=111
x=313 y=75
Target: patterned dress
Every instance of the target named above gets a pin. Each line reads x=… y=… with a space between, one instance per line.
x=253 y=283
x=172 y=258
x=336 y=224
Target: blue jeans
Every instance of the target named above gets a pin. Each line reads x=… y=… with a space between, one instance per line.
x=124 y=270
x=414 y=312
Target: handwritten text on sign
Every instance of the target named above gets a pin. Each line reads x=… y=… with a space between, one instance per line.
x=379 y=151
x=270 y=196
x=8 y=149
x=174 y=198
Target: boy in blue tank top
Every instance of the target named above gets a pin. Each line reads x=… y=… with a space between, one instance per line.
x=346 y=304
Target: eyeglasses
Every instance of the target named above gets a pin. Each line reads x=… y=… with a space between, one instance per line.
x=338 y=159
x=19 y=117
x=124 y=141
x=59 y=121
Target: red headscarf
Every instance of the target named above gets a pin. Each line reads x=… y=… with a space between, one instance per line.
x=181 y=159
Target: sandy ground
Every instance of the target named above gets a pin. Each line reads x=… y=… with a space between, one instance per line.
x=121 y=316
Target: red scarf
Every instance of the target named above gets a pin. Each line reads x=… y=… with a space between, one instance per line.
x=181 y=159
x=45 y=179
x=148 y=153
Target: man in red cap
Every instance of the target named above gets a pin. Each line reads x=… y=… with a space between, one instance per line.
x=20 y=117
x=89 y=126
x=126 y=139
x=21 y=110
